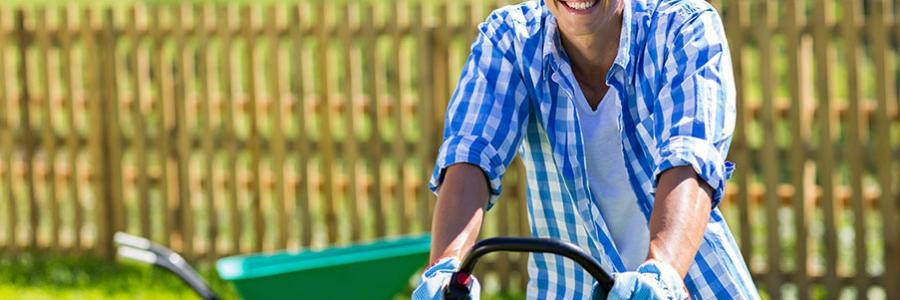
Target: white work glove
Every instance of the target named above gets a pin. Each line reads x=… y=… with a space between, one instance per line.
x=433 y=281
x=652 y=280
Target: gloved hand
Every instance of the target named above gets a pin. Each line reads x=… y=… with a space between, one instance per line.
x=652 y=280
x=435 y=278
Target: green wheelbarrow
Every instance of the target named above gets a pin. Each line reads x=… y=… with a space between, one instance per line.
x=332 y=273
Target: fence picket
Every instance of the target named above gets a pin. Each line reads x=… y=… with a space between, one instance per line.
x=427 y=119
x=825 y=169
x=273 y=100
x=224 y=29
x=24 y=97
x=299 y=65
x=326 y=141
x=849 y=34
x=741 y=156
x=397 y=16
x=373 y=89
x=113 y=180
x=161 y=95
x=770 y=168
x=6 y=138
x=205 y=82
x=68 y=18
x=139 y=78
x=350 y=100
x=800 y=166
x=48 y=138
x=885 y=171
x=250 y=94
x=96 y=139
x=183 y=207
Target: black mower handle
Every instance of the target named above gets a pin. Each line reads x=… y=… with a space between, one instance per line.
x=459 y=282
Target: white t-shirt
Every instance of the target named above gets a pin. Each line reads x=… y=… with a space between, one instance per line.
x=608 y=179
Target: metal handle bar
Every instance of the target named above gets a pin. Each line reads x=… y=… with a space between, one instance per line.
x=143 y=250
x=458 y=287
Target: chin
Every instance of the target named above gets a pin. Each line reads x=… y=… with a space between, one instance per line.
x=576 y=15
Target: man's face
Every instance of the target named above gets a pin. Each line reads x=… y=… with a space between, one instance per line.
x=579 y=17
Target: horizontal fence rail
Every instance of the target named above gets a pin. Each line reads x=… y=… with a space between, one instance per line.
x=225 y=129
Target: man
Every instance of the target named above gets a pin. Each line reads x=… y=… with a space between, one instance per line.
x=622 y=112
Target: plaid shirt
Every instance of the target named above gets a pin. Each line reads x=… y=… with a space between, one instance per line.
x=673 y=74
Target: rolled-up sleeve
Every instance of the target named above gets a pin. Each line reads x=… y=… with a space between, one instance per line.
x=485 y=116
x=695 y=111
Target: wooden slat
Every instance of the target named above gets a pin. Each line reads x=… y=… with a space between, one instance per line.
x=441 y=57
x=800 y=166
x=184 y=224
x=851 y=48
x=426 y=118
x=114 y=204
x=250 y=94
x=822 y=52
x=91 y=84
x=276 y=93
x=885 y=89
x=397 y=17
x=350 y=14
x=22 y=71
x=48 y=140
x=770 y=167
x=235 y=226
x=372 y=89
x=204 y=18
x=303 y=194
x=140 y=77
x=161 y=97
x=67 y=17
x=6 y=139
x=741 y=157
x=324 y=90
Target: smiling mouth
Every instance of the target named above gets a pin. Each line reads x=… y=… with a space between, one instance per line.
x=580 y=5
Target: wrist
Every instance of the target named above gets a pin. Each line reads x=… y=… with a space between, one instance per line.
x=664 y=271
x=443 y=259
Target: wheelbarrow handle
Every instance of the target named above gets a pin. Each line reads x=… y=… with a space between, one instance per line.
x=143 y=250
x=458 y=287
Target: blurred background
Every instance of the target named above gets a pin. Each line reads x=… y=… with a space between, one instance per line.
x=229 y=127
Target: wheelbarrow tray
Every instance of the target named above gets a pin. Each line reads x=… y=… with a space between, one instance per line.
x=375 y=270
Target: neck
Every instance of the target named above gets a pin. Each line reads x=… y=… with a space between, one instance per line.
x=597 y=49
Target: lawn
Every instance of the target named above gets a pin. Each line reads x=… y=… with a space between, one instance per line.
x=29 y=276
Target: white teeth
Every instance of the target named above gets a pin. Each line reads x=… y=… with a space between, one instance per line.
x=580 y=5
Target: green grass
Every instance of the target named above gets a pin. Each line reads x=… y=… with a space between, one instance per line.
x=28 y=276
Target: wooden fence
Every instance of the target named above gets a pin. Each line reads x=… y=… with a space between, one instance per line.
x=229 y=129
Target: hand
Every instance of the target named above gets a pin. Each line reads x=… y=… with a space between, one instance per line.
x=652 y=280
x=434 y=279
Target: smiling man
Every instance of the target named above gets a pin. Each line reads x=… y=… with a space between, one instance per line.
x=622 y=112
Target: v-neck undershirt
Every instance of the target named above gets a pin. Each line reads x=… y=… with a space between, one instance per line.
x=608 y=178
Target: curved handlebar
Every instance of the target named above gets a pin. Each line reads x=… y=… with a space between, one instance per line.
x=458 y=287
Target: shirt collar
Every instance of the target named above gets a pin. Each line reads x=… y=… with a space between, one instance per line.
x=552 y=47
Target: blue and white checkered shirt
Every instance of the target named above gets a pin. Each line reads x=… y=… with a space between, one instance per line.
x=673 y=74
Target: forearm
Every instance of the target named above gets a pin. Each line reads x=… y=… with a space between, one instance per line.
x=459 y=211
x=679 y=218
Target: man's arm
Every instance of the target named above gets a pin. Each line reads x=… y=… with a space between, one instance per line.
x=459 y=211
x=679 y=218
